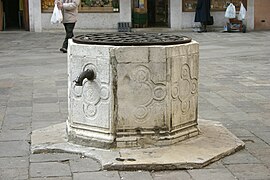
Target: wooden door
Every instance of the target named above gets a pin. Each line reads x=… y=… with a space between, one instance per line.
x=26 y=15
x=1 y=15
x=261 y=15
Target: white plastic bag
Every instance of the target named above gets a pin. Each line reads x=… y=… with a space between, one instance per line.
x=242 y=12
x=230 y=11
x=57 y=16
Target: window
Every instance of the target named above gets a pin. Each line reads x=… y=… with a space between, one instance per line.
x=216 y=5
x=86 y=6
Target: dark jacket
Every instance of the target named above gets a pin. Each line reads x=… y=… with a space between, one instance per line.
x=202 y=11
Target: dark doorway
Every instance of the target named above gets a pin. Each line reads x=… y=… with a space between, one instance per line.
x=11 y=9
x=151 y=6
x=15 y=14
x=157 y=11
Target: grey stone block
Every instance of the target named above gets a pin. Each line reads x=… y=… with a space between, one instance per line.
x=171 y=175
x=15 y=135
x=136 y=175
x=14 y=162
x=84 y=165
x=101 y=175
x=49 y=169
x=242 y=157
x=14 y=148
x=249 y=171
x=211 y=174
x=14 y=173
x=53 y=157
x=45 y=107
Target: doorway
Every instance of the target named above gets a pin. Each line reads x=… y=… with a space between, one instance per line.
x=150 y=13
x=14 y=14
x=157 y=13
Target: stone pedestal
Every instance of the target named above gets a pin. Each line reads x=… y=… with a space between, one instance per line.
x=141 y=96
x=122 y=98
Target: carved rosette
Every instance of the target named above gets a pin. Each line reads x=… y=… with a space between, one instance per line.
x=184 y=94
x=151 y=92
x=92 y=93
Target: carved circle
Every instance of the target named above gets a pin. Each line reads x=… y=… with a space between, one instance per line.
x=104 y=93
x=193 y=87
x=90 y=110
x=175 y=91
x=185 y=106
x=185 y=72
x=91 y=92
x=141 y=74
x=159 y=93
x=141 y=112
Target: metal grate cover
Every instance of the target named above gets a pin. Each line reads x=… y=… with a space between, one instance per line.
x=131 y=39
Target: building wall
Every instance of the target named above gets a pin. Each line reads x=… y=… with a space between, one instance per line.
x=187 y=18
x=261 y=15
x=177 y=19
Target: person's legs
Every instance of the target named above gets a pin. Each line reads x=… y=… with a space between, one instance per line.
x=203 y=27
x=69 y=27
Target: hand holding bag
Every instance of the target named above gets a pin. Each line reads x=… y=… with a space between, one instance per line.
x=230 y=11
x=57 y=16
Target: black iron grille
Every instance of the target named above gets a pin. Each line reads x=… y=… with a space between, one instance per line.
x=131 y=39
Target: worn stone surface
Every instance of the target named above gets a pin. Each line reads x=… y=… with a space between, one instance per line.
x=135 y=98
x=232 y=65
x=49 y=169
x=213 y=143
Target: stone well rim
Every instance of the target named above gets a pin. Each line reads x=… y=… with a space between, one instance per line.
x=130 y=39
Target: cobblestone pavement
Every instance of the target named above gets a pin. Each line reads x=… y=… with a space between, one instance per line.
x=234 y=88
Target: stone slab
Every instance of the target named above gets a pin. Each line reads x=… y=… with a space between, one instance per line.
x=213 y=143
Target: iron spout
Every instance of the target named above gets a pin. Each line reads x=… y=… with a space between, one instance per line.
x=89 y=74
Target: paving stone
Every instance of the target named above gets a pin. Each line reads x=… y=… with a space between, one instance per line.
x=14 y=173
x=250 y=171
x=45 y=95
x=211 y=174
x=45 y=100
x=264 y=135
x=53 y=157
x=49 y=169
x=44 y=124
x=14 y=162
x=16 y=124
x=45 y=107
x=48 y=116
x=242 y=157
x=171 y=175
x=135 y=175
x=215 y=165
x=84 y=165
x=19 y=104
x=15 y=135
x=52 y=178
x=22 y=111
x=14 y=148
x=101 y=175
x=241 y=132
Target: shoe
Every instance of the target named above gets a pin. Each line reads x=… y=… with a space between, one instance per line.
x=64 y=50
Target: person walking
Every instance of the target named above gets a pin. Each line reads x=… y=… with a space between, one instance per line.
x=70 y=13
x=202 y=14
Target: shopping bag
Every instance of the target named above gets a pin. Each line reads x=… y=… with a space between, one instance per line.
x=230 y=11
x=242 y=12
x=57 y=16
